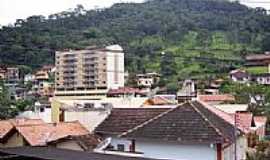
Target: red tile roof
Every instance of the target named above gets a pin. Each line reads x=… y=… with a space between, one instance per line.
x=41 y=134
x=7 y=125
x=158 y=100
x=125 y=90
x=214 y=98
x=244 y=121
x=5 y=128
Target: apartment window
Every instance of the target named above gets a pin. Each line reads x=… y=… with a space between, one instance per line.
x=121 y=147
x=42 y=109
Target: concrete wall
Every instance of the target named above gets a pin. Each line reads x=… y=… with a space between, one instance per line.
x=229 y=152
x=45 y=115
x=171 y=150
x=16 y=140
x=72 y=145
x=89 y=119
x=55 y=110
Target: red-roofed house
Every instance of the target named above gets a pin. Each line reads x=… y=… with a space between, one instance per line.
x=26 y=132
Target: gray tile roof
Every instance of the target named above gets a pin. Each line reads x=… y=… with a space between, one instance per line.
x=47 y=153
x=189 y=122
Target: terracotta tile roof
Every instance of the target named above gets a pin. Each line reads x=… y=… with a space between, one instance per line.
x=189 y=122
x=122 y=119
x=41 y=134
x=125 y=90
x=5 y=128
x=244 y=121
x=158 y=100
x=24 y=121
x=7 y=125
x=219 y=97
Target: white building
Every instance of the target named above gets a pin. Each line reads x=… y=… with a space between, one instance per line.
x=29 y=78
x=240 y=76
x=115 y=67
x=263 y=79
x=42 y=110
x=147 y=80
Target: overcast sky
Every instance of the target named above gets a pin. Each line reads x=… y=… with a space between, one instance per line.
x=10 y=10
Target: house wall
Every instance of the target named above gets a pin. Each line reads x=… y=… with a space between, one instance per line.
x=37 y=114
x=89 y=119
x=242 y=146
x=16 y=140
x=72 y=145
x=170 y=150
x=263 y=80
x=145 y=82
x=55 y=112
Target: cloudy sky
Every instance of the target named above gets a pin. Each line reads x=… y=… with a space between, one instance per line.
x=10 y=10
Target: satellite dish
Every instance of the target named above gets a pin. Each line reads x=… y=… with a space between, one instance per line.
x=103 y=145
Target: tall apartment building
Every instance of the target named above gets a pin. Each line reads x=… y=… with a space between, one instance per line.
x=86 y=72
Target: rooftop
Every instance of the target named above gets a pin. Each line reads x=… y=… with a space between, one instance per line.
x=47 y=153
x=7 y=125
x=258 y=57
x=218 y=97
x=122 y=119
x=194 y=121
x=189 y=122
x=124 y=90
x=41 y=134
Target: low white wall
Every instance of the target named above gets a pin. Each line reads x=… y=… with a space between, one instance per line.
x=170 y=150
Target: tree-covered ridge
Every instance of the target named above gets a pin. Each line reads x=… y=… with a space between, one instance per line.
x=189 y=28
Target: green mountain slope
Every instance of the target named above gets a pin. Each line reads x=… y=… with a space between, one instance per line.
x=182 y=28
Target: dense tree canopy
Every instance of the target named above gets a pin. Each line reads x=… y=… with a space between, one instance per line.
x=187 y=28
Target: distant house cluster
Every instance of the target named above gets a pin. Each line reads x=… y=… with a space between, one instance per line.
x=256 y=60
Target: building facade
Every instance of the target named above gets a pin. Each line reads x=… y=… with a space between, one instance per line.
x=89 y=69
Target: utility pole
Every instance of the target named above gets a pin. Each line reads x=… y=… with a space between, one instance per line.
x=235 y=136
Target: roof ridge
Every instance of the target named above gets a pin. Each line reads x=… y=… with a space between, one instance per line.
x=148 y=121
x=207 y=107
x=165 y=99
x=31 y=125
x=207 y=120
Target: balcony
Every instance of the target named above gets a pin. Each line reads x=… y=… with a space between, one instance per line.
x=68 y=61
x=69 y=66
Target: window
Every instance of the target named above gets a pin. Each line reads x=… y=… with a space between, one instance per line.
x=42 y=109
x=121 y=147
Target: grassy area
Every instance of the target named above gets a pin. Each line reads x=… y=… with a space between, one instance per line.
x=257 y=70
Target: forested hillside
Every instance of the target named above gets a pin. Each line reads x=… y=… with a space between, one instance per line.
x=183 y=29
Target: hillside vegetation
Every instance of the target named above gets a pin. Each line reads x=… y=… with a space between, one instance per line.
x=184 y=29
